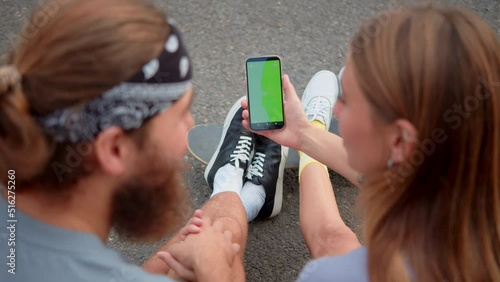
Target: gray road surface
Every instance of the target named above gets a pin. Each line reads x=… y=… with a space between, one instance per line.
x=309 y=36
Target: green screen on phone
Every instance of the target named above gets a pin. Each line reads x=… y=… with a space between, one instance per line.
x=265 y=93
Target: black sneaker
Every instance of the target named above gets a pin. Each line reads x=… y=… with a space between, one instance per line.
x=235 y=146
x=268 y=165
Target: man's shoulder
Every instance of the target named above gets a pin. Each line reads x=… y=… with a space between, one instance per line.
x=34 y=251
x=35 y=262
x=351 y=267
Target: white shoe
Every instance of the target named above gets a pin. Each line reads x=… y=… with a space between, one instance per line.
x=320 y=96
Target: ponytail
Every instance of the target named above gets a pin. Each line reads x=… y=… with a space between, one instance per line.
x=22 y=145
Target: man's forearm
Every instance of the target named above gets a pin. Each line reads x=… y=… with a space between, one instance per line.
x=157 y=266
x=210 y=271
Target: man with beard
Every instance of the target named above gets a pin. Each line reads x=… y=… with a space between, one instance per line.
x=94 y=111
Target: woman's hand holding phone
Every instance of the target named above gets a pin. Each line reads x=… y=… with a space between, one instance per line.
x=295 y=119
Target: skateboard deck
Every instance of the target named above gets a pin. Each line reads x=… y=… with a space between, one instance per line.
x=203 y=140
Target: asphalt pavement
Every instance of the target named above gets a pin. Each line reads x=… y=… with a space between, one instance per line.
x=309 y=36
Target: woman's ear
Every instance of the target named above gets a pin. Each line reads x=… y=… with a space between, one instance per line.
x=113 y=150
x=403 y=138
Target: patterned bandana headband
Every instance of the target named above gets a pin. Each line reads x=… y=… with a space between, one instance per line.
x=161 y=82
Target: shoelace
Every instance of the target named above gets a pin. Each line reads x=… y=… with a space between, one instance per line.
x=318 y=108
x=242 y=151
x=257 y=166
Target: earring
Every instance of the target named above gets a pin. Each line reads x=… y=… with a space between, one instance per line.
x=361 y=178
x=407 y=137
x=390 y=163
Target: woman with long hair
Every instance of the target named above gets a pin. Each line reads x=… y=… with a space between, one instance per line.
x=419 y=115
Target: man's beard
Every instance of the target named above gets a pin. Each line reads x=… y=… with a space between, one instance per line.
x=152 y=202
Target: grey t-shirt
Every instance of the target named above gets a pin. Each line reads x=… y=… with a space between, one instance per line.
x=36 y=251
x=351 y=267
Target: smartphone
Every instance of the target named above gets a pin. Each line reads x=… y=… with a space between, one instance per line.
x=265 y=93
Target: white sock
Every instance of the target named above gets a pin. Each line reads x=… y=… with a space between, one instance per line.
x=253 y=198
x=228 y=179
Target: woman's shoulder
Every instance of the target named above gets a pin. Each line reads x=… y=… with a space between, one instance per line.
x=351 y=267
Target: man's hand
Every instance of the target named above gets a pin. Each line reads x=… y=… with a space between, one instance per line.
x=204 y=256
